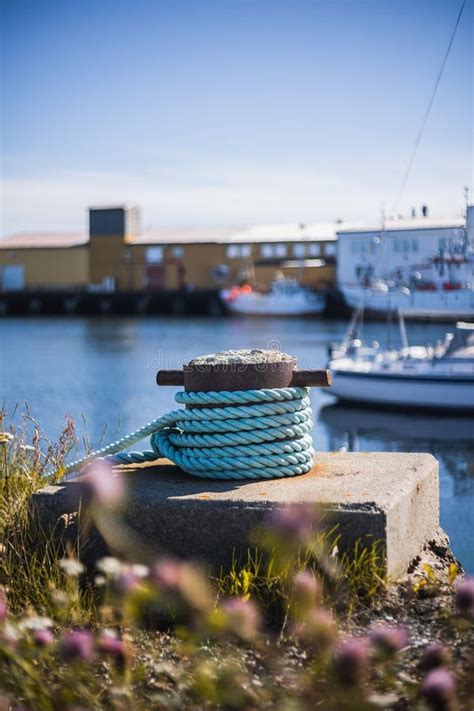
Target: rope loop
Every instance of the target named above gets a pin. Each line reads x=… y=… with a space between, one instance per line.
x=248 y=434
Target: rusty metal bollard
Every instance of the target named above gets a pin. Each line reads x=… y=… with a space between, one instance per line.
x=243 y=370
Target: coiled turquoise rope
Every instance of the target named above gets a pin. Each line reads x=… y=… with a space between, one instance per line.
x=248 y=434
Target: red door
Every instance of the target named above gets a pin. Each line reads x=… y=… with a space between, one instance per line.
x=155 y=277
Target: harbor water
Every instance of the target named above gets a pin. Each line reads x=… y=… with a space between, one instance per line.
x=101 y=372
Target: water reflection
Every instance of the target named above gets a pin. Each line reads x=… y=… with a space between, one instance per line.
x=449 y=439
x=396 y=426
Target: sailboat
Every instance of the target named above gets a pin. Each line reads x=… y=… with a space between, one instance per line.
x=437 y=377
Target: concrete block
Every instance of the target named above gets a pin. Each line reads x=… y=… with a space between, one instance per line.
x=388 y=497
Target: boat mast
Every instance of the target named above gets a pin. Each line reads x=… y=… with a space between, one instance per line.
x=383 y=231
x=403 y=330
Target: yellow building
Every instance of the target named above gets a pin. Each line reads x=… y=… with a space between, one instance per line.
x=53 y=261
x=116 y=254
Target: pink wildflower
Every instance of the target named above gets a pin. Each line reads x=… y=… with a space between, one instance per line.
x=435 y=655
x=295 y=522
x=306 y=589
x=106 y=486
x=438 y=689
x=243 y=616
x=464 y=597
x=167 y=574
x=113 y=647
x=43 y=637
x=77 y=645
x=318 y=629
x=388 y=640
x=351 y=661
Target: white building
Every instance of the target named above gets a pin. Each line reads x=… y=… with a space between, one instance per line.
x=423 y=267
x=406 y=245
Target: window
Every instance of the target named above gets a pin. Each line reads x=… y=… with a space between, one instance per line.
x=12 y=276
x=397 y=245
x=330 y=250
x=270 y=251
x=406 y=245
x=299 y=251
x=267 y=251
x=154 y=255
x=415 y=245
x=177 y=252
x=232 y=251
x=313 y=250
x=238 y=251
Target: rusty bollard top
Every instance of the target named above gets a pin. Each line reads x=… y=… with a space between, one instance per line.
x=243 y=370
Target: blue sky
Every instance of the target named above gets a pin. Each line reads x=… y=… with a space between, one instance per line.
x=230 y=111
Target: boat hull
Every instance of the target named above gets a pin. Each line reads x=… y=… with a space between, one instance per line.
x=433 y=392
x=270 y=305
x=450 y=305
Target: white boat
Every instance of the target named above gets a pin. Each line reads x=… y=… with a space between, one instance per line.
x=441 y=377
x=285 y=298
x=415 y=303
x=442 y=289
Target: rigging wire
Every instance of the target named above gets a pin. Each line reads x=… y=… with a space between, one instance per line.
x=428 y=110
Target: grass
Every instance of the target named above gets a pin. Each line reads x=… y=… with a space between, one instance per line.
x=30 y=556
x=250 y=638
x=352 y=579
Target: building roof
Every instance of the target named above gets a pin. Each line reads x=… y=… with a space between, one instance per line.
x=183 y=235
x=286 y=232
x=279 y=232
x=414 y=223
x=29 y=240
x=239 y=235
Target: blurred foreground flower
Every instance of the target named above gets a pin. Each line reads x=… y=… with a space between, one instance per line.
x=318 y=630
x=167 y=574
x=71 y=567
x=130 y=577
x=243 y=617
x=111 y=646
x=35 y=622
x=388 y=640
x=306 y=589
x=9 y=635
x=296 y=521
x=351 y=662
x=184 y=581
x=110 y=566
x=77 y=645
x=43 y=637
x=106 y=487
x=435 y=655
x=464 y=597
x=438 y=689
